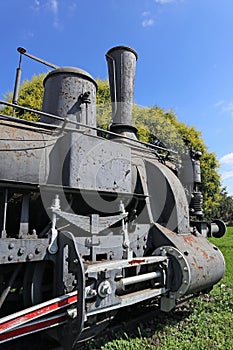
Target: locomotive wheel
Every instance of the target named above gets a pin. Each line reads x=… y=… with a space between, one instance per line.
x=38 y=283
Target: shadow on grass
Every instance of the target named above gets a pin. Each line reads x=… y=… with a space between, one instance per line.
x=130 y=324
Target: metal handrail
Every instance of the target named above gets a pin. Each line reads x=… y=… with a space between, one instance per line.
x=67 y=120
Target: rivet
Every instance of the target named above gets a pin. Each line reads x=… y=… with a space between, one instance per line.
x=30 y=256
x=185 y=268
x=11 y=245
x=10 y=257
x=38 y=250
x=21 y=251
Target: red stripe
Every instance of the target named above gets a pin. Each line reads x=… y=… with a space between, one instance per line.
x=31 y=328
x=41 y=311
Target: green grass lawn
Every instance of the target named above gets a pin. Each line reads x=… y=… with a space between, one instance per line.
x=203 y=323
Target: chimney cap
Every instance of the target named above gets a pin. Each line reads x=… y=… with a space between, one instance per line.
x=122 y=47
x=72 y=71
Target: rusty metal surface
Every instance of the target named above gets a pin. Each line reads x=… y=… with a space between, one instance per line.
x=24 y=152
x=87 y=162
x=205 y=261
x=64 y=89
x=121 y=67
x=125 y=210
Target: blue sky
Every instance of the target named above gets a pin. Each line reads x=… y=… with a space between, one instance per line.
x=184 y=46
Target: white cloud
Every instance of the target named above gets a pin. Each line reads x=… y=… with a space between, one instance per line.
x=72 y=6
x=148 y=22
x=227 y=175
x=227 y=159
x=162 y=2
x=28 y=35
x=145 y=13
x=225 y=107
x=53 y=9
x=36 y=6
x=228 y=108
x=226 y=171
x=48 y=7
x=53 y=4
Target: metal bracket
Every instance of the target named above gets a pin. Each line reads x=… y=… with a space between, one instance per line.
x=127 y=252
x=53 y=247
x=24 y=219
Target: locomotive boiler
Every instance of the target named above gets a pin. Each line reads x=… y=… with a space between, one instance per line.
x=91 y=224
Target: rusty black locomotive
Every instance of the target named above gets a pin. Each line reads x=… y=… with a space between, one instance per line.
x=92 y=224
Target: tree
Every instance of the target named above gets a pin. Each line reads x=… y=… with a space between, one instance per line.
x=225 y=209
x=154 y=125
x=30 y=95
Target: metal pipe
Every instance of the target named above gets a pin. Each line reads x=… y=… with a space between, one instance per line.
x=4 y=213
x=17 y=83
x=140 y=278
x=23 y=51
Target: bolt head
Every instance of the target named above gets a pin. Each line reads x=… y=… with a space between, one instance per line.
x=21 y=251
x=11 y=245
x=38 y=250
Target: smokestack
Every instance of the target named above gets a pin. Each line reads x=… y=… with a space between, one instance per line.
x=121 y=69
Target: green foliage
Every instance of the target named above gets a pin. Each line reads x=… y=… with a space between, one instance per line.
x=225 y=209
x=30 y=95
x=103 y=105
x=154 y=123
x=103 y=93
x=225 y=244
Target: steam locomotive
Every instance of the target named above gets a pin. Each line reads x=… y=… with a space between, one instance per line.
x=90 y=224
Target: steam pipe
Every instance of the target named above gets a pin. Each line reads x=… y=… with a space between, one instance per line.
x=23 y=51
x=17 y=81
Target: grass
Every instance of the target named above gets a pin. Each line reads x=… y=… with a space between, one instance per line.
x=203 y=323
